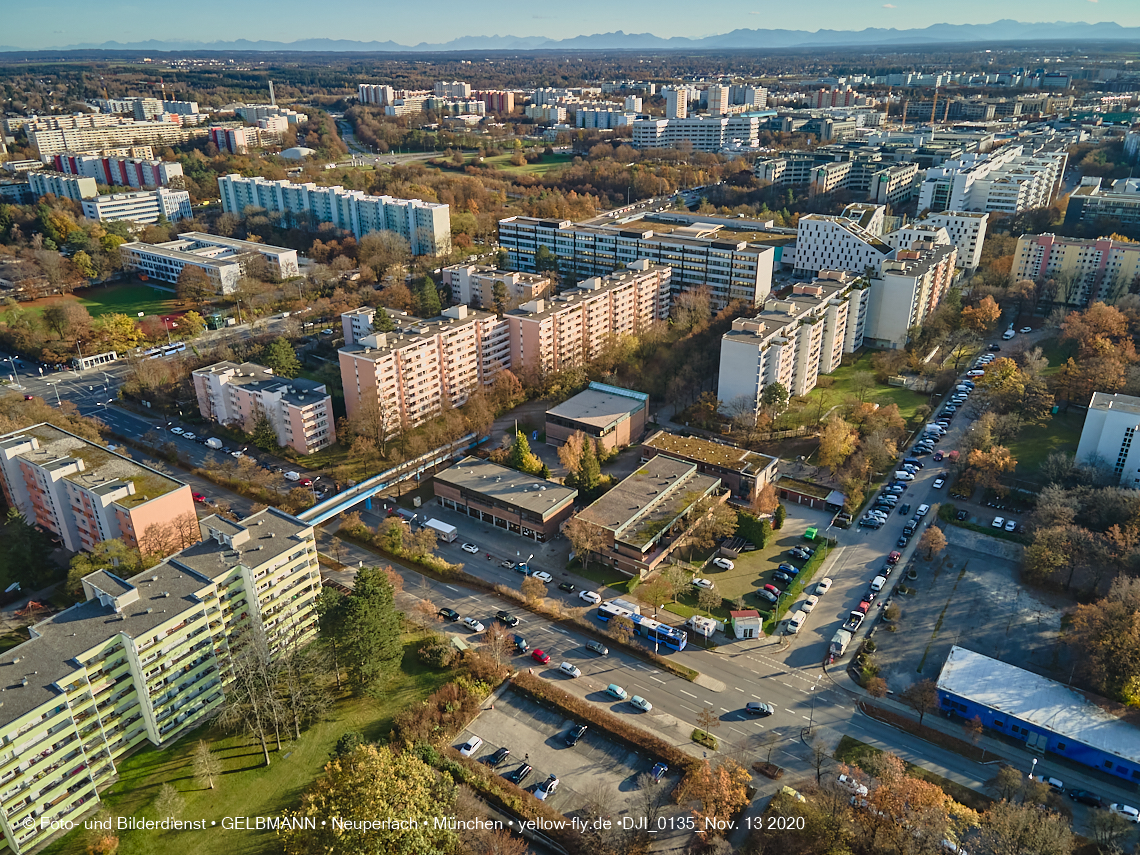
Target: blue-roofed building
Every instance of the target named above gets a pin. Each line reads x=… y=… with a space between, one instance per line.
x=1048 y=716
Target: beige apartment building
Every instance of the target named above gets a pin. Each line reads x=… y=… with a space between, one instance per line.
x=299 y=410
x=142 y=660
x=795 y=339
x=1082 y=270
x=409 y=372
x=474 y=285
x=907 y=289
x=85 y=493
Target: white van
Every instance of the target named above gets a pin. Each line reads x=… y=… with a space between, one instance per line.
x=903 y=475
x=292 y=476
x=878 y=582
x=796 y=622
x=1008 y=334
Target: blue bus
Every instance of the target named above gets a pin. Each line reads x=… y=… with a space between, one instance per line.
x=657 y=632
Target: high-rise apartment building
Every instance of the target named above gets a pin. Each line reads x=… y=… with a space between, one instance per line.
x=718 y=99
x=142 y=660
x=1115 y=207
x=1007 y=180
x=1108 y=437
x=703 y=133
x=676 y=103
x=71 y=187
x=1078 y=271
x=452 y=89
x=95 y=132
x=795 y=338
x=119 y=171
x=85 y=493
x=236 y=395
x=699 y=254
x=907 y=288
x=844 y=242
x=145 y=206
x=966 y=230
x=406 y=374
x=425 y=225
x=474 y=285
x=497 y=100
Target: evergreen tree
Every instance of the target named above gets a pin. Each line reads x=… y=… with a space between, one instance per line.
x=589 y=469
x=372 y=643
x=522 y=458
x=428 y=298
x=382 y=323
x=281 y=357
x=779 y=516
x=264 y=436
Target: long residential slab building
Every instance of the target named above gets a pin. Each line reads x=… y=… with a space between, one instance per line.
x=1078 y=271
x=52 y=135
x=425 y=225
x=700 y=254
x=407 y=374
x=142 y=660
x=1010 y=180
x=222 y=259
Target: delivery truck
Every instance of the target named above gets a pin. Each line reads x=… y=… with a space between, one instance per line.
x=839 y=642
x=444 y=531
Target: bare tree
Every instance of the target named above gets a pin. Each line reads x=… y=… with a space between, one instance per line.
x=497 y=642
x=251 y=704
x=207 y=767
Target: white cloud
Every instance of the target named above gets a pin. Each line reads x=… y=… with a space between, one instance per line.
x=893 y=6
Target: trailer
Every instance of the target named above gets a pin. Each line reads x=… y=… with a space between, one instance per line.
x=445 y=532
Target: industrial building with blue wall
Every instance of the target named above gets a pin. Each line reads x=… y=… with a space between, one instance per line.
x=1048 y=716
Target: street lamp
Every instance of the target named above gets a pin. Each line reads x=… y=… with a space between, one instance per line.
x=313 y=486
x=811 y=719
x=55 y=386
x=1032 y=768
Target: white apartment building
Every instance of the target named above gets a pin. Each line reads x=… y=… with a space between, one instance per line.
x=71 y=187
x=705 y=133
x=145 y=206
x=119 y=171
x=550 y=114
x=718 y=100
x=425 y=225
x=95 y=131
x=408 y=373
x=795 y=339
x=676 y=103
x=700 y=254
x=234 y=395
x=222 y=259
x=907 y=288
x=606 y=117
x=825 y=242
x=1081 y=270
x=452 y=89
x=1108 y=437
x=143 y=660
x=1006 y=180
x=633 y=103
x=967 y=231
x=474 y=285
x=253 y=113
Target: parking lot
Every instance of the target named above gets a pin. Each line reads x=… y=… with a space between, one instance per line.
x=971 y=596
x=595 y=770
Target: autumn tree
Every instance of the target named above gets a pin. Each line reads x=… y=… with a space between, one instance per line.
x=766 y=501
x=534 y=590
x=207 y=766
x=692 y=308
x=374 y=781
x=709 y=599
x=169 y=804
x=714 y=521
x=498 y=643
x=621 y=628
x=988 y=466
x=193 y=285
x=982 y=317
x=586 y=538
x=570 y=452
x=933 y=541
x=1008 y=828
x=67 y=318
x=837 y=442
x=722 y=791
x=922 y=697
x=1105 y=636
x=251 y=703
x=707 y=721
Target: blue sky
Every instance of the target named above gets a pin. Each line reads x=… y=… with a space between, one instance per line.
x=26 y=25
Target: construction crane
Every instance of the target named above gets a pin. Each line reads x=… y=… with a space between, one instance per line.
x=906 y=106
x=934 y=107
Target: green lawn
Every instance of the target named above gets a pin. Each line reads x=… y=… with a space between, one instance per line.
x=840 y=389
x=548 y=163
x=1035 y=443
x=1057 y=352
x=127 y=298
x=247 y=787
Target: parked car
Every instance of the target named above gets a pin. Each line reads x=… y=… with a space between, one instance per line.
x=498 y=757
x=506 y=619
x=962 y=515
x=188 y=435
x=904 y=509
x=723 y=563
x=703 y=583
x=1054 y=783
x=1025 y=330
x=590 y=597
x=570 y=670
x=1010 y=525
x=544 y=790
x=567 y=587
x=617 y=691
x=542 y=576
x=870 y=522
x=809 y=603
x=449 y=614
x=520 y=774
x=938 y=455
x=852 y=786
x=939 y=483
x=199 y=498
x=782 y=577
x=1127 y=811
x=790 y=569
x=640 y=703
x=998 y=522
x=176 y=430
x=922 y=511
x=767 y=595
x=658 y=772
x=597 y=647
x=894 y=557
x=1084 y=797
x=470 y=547
x=772 y=589
x=470 y=746
x=902 y=541
x=823 y=585
x=473 y=624
x=540 y=657
x=520 y=644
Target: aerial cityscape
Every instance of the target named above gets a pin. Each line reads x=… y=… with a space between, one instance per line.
x=570 y=432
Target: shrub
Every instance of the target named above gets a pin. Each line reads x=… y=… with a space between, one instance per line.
x=705 y=739
x=438 y=652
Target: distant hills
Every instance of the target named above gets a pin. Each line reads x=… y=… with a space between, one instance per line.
x=999 y=31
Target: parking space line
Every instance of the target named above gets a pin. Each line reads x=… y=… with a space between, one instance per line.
x=722 y=709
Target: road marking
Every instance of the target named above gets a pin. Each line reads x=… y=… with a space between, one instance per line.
x=451 y=588
x=722 y=709
x=556 y=629
x=805 y=718
x=662 y=682
x=686 y=706
x=738 y=689
x=690 y=694
x=710 y=703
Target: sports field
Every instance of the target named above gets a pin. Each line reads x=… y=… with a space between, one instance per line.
x=128 y=298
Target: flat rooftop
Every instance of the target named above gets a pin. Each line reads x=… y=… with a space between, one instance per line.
x=1038 y=700
x=514 y=489
x=647 y=502
x=600 y=406
x=710 y=453
x=102 y=468
x=297 y=391
x=1115 y=402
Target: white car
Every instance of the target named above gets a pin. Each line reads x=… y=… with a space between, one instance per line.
x=470 y=547
x=570 y=670
x=542 y=576
x=176 y=430
x=473 y=624
x=796 y=623
x=723 y=563
x=977 y=372
x=237 y=454
x=589 y=597
x=1011 y=525
x=823 y=585
x=809 y=603
x=1127 y=811
x=188 y=435
x=998 y=522
x=922 y=511
x=939 y=483
x=852 y=786
x=470 y=746
x=1026 y=330
x=640 y=703
x=703 y=583
x=543 y=791
x=903 y=475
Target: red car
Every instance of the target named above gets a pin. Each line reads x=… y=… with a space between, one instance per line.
x=199 y=498
x=894 y=557
x=306 y=482
x=539 y=656
x=772 y=589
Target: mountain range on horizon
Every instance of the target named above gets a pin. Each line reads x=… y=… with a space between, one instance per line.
x=739 y=39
